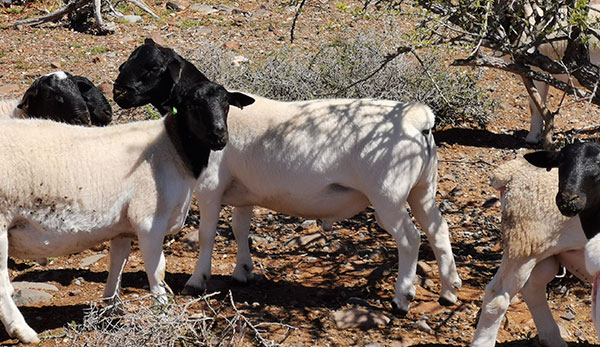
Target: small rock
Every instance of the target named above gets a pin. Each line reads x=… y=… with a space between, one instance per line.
x=231 y=45
x=74 y=292
x=177 y=5
x=239 y=60
x=305 y=240
x=131 y=18
x=204 y=9
x=428 y=283
x=106 y=88
x=309 y=222
x=422 y=325
x=87 y=261
x=359 y=318
x=8 y=88
x=424 y=269
x=372 y=344
x=55 y=64
x=28 y=296
x=78 y=281
x=568 y=316
x=34 y=285
x=203 y=30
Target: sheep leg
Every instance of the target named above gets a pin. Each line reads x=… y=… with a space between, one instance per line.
x=119 y=252
x=240 y=223
x=537 y=121
x=206 y=239
x=154 y=262
x=11 y=317
x=509 y=280
x=424 y=208
x=396 y=221
x=534 y=294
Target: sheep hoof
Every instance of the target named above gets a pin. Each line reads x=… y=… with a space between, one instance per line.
x=446 y=302
x=26 y=335
x=397 y=311
x=190 y=290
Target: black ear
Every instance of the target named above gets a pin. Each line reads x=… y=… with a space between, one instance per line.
x=83 y=84
x=240 y=100
x=32 y=91
x=175 y=68
x=149 y=41
x=544 y=159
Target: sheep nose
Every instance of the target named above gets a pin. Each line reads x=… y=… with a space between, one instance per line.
x=569 y=204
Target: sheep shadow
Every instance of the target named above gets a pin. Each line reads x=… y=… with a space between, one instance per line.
x=47 y=318
x=480 y=138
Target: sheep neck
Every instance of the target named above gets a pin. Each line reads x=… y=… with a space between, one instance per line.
x=192 y=150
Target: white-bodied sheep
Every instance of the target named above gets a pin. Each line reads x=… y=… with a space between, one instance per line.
x=58 y=197
x=9 y=109
x=536 y=238
x=329 y=159
x=326 y=159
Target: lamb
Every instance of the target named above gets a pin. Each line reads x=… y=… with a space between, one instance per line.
x=536 y=238
x=325 y=159
x=579 y=195
x=58 y=198
x=62 y=97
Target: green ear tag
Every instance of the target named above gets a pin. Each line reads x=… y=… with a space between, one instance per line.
x=174 y=111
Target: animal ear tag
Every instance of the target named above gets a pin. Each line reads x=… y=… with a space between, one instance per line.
x=174 y=112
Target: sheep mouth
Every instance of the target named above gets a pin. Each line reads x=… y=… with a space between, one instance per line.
x=217 y=144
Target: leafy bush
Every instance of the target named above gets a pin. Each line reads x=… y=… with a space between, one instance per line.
x=331 y=71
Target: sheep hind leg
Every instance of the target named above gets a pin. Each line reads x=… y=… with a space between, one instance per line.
x=534 y=294
x=240 y=224
x=11 y=317
x=537 y=121
x=396 y=221
x=120 y=247
x=423 y=206
x=509 y=280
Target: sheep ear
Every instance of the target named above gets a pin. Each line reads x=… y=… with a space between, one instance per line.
x=84 y=85
x=175 y=68
x=149 y=41
x=544 y=159
x=240 y=100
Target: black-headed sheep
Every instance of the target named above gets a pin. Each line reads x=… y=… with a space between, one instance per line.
x=61 y=97
x=536 y=239
x=58 y=197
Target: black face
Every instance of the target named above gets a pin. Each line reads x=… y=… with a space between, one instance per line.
x=55 y=96
x=144 y=78
x=204 y=109
x=578 y=181
x=97 y=104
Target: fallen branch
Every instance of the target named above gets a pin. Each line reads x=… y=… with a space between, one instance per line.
x=74 y=5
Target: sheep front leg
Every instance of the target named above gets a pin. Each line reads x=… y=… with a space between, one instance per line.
x=154 y=262
x=509 y=280
x=206 y=238
x=534 y=294
x=11 y=317
x=119 y=252
x=240 y=224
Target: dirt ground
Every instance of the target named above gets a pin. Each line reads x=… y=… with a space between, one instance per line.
x=301 y=285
